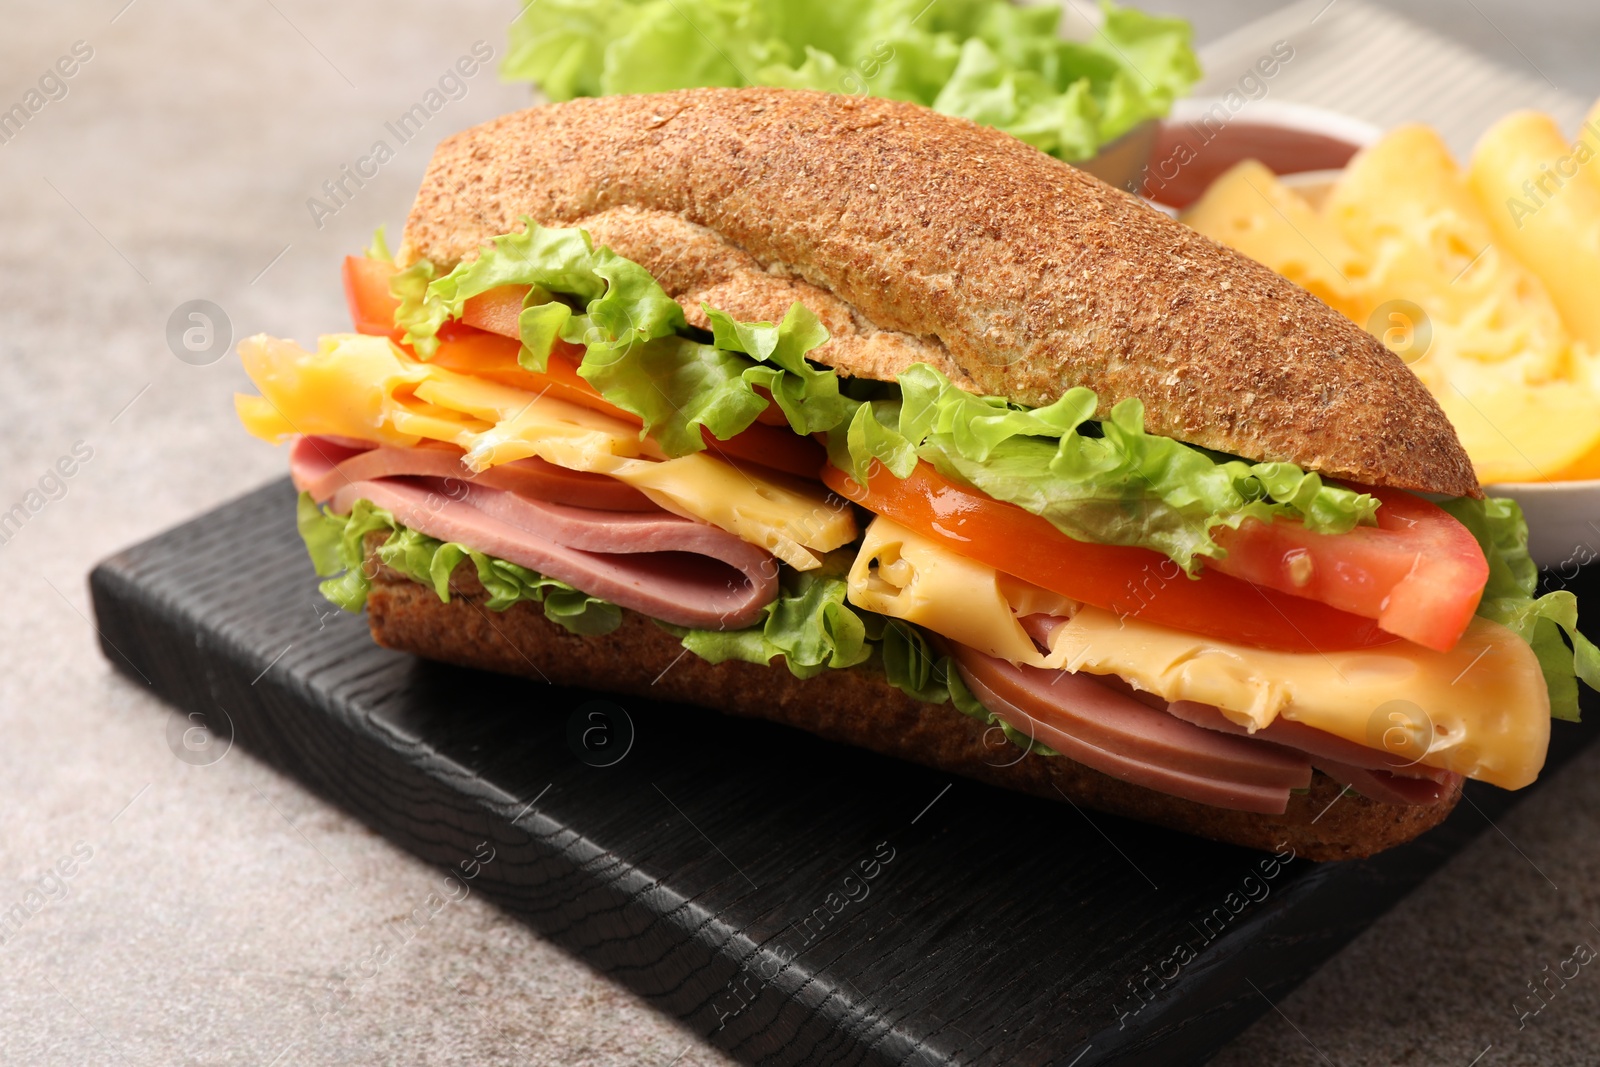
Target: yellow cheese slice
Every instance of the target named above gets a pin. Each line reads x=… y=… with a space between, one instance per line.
x=907 y=576
x=365 y=387
x=1528 y=179
x=1480 y=709
x=1589 y=137
x=1485 y=700
x=1483 y=286
x=1501 y=361
x=1520 y=433
x=1405 y=206
x=1249 y=210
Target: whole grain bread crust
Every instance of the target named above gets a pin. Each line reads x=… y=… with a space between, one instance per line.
x=940 y=240
x=855 y=706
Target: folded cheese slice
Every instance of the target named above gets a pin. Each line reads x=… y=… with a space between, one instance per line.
x=366 y=388
x=1481 y=709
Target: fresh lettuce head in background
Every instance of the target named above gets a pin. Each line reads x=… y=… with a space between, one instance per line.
x=986 y=60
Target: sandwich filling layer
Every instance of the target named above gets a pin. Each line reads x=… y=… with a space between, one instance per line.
x=647 y=560
x=545 y=412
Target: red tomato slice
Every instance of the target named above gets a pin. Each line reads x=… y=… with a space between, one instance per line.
x=1419 y=572
x=493 y=356
x=777 y=447
x=366 y=290
x=496 y=310
x=372 y=306
x=1133 y=582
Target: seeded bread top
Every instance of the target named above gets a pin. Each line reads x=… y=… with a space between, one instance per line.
x=917 y=236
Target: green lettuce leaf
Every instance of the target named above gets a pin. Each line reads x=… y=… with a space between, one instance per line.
x=560 y=44
x=994 y=62
x=808 y=396
x=1157 y=65
x=1106 y=482
x=911 y=665
x=334 y=543
x=578 y=293
x=1508 y=599
x=810 y=625
x=868 y=439
x=814 y=628
x=1026 y=104
x=379 y=248
x=1103 y=482
x=680 y=387
x=908 y=661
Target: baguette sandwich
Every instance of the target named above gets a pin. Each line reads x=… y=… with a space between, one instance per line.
x=853 y=416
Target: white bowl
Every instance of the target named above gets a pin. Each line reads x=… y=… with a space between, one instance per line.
x=1563 y=521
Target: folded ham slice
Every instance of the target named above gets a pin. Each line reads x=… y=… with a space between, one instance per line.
x=1380 y=775
x=1117 y=735
x=1389 y=788
x=608 y=545
x=341 y=460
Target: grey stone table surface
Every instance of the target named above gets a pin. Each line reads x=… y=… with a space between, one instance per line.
x=217 y=914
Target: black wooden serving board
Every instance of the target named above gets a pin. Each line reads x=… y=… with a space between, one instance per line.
x=721 y=866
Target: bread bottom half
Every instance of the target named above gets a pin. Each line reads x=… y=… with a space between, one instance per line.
x=855 y=706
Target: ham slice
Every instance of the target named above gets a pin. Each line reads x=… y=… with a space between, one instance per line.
x=1375 y=773
x=661 y=565
x=1319 y=744
x=327 y=463
x=1389 y=788
x=1120 y=736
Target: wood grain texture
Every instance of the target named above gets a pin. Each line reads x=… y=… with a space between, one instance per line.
x=1015 y=273
x=708 y=868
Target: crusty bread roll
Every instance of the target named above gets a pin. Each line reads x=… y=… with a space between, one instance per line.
x=856 y=706
x=917 y=236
